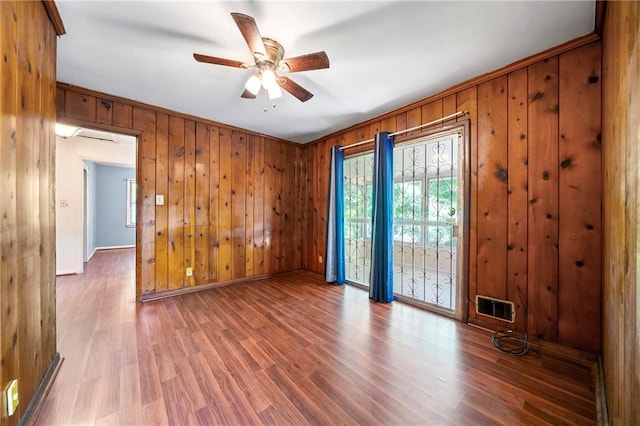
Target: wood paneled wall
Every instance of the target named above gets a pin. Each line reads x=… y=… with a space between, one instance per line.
x=27 y=221
x=535 y=209
x=621 y=138
x=231 y=203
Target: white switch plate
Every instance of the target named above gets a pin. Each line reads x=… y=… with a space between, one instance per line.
x=12 y=397
x=159 y=200
x=189 y=272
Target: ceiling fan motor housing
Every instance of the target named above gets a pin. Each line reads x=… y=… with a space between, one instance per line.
x=275 y=53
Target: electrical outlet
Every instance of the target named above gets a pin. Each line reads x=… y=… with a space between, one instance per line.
x=189 y=272
x=320 y=259
x=159 y=200
x=12 y=397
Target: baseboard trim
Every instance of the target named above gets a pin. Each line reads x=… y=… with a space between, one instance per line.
x=113 y=248
x=36 y=403
x=95 y=249
x=148 y=297
x=601 y=396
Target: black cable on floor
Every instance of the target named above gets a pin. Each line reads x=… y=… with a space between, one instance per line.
x=512 y=342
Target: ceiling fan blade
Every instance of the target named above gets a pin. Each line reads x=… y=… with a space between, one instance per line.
x=247 y=95
x=250 y=32
x=219 y=61
x=295 y=89
x=311 y=61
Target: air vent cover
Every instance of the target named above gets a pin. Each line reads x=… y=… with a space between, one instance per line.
x=495 y=308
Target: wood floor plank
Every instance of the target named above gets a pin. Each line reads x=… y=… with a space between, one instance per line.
x=288 y=350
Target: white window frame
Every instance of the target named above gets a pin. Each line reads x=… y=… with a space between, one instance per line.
x=132 y=187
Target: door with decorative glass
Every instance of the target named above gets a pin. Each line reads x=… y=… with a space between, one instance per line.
x=428 y=206
x=428 y=216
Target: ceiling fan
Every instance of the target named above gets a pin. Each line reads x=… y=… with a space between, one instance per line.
x=268 y=57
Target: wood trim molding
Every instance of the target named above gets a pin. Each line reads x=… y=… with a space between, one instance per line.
x=155 y=108
x=545 y=54
x=54 y=16
x=187 y=290
x=98 y=126
x=40 y=395
x=601 y=11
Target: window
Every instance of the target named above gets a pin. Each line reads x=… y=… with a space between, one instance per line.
x=132 y=189
x=358 y=173
x=428 y=204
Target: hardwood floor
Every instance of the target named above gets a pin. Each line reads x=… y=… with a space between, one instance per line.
x=288 y=350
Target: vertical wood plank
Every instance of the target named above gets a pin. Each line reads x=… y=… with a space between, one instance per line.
x=323 y=164
x=27 y=200
x=162 y=211
x=122 y=115
x=225 y=226
x=449 y=106
x=374 y=128
x=279 y=238
x=175 y=201
x=214 y=201
x=492 y=188
x=60 y=99
x=310 y=208
x=8 y=203
x=202 y=202
x=249 y=206
x=145 y=120
x=580 y=181
x=289 y=242
x=104 y=111
x=413 y=119
x=432 y=111
x=389 y=125
x=259 y=204
x=269 y=204
x=543 y=200
x=621 y=202
x=517 y=199
x=41 y=193
x=299 y=180
x=401 y=121
x=467 y=100
x=47 y=182
x=80 y=106
x=238 y=207
x=189 y=200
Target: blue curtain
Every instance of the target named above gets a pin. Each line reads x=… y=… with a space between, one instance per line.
x=381 y=282
x=334 y=257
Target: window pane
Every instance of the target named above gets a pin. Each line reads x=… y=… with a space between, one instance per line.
x=357 y=216
x=132 y=189
x=442 y=199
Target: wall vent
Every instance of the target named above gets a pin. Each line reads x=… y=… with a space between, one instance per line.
x=495 y=308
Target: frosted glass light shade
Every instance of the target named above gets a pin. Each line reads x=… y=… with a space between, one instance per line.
x=275 y=92
x=253 y=84
x=269 y=80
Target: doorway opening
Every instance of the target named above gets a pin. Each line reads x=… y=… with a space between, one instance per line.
x=94 y=174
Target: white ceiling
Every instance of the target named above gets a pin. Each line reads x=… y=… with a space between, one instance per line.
x=383 y=54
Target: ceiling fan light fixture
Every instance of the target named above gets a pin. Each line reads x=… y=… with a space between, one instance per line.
x=275 y=92
x=253 y=84
x=269 y=80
